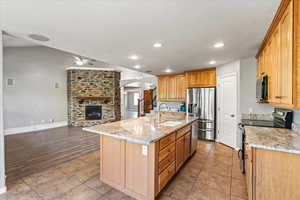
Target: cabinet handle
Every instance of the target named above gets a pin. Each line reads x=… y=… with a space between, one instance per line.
x=278 y=97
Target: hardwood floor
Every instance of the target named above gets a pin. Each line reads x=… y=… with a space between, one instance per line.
x=211 y=174
x=32 y=152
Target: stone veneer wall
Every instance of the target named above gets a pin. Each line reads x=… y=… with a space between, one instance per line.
x=93 y=83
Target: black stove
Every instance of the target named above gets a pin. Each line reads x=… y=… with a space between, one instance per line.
x=282 y=118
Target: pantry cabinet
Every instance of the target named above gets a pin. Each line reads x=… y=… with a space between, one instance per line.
x=279 y=55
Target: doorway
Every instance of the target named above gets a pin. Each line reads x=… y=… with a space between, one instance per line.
x=227 y=109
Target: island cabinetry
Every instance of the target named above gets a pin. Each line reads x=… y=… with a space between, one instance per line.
x=183 y=145
x=142 y=171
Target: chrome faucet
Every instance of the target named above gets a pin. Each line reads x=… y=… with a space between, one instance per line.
x=159 y=114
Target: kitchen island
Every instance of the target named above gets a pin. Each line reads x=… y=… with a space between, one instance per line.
x=140 y=156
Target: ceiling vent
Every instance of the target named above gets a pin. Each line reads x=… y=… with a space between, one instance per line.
x=40 y=38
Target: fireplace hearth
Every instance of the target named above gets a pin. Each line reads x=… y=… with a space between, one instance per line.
x=93 y=112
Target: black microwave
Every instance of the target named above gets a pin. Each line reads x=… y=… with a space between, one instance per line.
x=262 y=89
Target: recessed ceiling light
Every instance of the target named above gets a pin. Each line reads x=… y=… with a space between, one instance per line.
x=219 y=45
x=157 y=45
x=212 y=62
x=168 y=70
x=39 y=37
x=137 y=66
x=133 y=57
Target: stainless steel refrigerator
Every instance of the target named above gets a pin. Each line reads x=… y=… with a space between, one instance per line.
x=201 y=102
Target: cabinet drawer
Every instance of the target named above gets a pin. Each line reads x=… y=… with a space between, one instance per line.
x=183 y=131
x=166 y=175
x=166 y=141
x=166 y=162
x=166 y=151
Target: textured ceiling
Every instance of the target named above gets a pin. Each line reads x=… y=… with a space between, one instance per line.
x=112 y=30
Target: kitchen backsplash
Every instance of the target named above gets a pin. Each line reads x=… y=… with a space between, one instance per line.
x=257 y=116
x=173 y=106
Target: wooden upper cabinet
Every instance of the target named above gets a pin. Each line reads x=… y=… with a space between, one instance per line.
x=286 y=47
x=180 y=86
x=279 y=56
x=201 y=78
x=171 y=87
x=162 y=87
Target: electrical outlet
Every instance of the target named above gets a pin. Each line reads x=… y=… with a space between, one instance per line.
x=51 y=120
x=56 y=85
x=145 y=150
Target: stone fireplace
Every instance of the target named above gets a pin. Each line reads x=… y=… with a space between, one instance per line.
x=93 y=96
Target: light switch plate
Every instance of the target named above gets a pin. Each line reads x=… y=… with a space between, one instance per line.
x=145 y=150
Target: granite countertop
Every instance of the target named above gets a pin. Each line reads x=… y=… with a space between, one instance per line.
x=143 y=130
x=278 y=139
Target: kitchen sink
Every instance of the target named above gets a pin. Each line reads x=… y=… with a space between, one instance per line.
x=171 y=123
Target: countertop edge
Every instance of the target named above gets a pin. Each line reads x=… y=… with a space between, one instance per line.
x=273 y=148
x=134 y=140
x=137 y=141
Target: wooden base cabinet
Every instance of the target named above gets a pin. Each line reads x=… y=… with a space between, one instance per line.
x=272 y=175
x=126 y=167
x=249 y=172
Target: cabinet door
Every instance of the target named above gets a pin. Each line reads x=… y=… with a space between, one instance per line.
x=269 y=70
x=187 y=145
x=286 y=46
x=249 y=174
x=171 y=89
x=276 y=175
x=179 y=152
x=260 y=64
x=276 y=85
x=162 y=87
x=180 y=87
x=202 y=78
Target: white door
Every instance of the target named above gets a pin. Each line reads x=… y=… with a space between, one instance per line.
x=227 y=109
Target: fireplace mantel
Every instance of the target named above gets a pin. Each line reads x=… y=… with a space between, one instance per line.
x=93 y=97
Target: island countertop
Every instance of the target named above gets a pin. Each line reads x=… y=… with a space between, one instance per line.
x=142 y=130
x=277 y=139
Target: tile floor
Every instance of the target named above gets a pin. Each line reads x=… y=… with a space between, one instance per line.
x=211 y=174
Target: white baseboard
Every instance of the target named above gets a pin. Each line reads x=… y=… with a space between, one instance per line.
x=38 y=127
x=3 y=190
